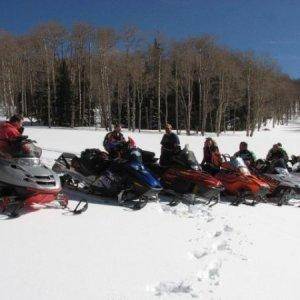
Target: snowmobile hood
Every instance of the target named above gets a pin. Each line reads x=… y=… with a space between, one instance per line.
x=287 y=180
x=144 y=175
x=235 y=182
x=28 y=173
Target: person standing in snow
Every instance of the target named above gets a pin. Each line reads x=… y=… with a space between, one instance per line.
x=9 y=132
x=248 y=156
x=170 y=145
x=212 y=159
x=113 y=141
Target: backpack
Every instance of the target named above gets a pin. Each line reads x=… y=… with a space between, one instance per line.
x=94 y=160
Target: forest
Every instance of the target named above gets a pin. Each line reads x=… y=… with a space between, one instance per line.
x=98 y=76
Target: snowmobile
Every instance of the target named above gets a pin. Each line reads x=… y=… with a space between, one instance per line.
x=240 y=183
x=295 y=162
x=284 y=185
x=25 y=182
x=184 y=179
x=125 y=179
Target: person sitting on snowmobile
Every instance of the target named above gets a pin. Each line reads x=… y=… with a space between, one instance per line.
x=277 y=156
x=170 y=145
x=212 y=159
x=295 y=159
x=113 y=141
x=9 y=132
x=248 y=156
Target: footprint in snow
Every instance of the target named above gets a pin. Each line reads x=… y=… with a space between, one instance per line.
x=227 y=228
x=221 y=246
x=209 y=220
x=198 y=254
x=211 y=272
x=169 y=287
x=217 y=234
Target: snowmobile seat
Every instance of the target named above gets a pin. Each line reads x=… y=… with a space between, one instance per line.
x=68 y=155
x=80 y=167
x=93 y=161
x=66 y=159
x=148 y=157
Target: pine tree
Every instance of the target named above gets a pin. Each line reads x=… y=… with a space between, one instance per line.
x=65 y=96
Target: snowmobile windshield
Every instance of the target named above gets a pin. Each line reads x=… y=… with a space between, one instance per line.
x=135 y=155
x=187 y=158
x=282 y=171
x=26 y=149
x=238 y=163
x=296 y=167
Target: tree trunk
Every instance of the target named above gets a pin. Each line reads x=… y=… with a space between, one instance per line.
x=204 y=107
x=147 y=117
x=133 y=112
x=90 y=85
x=166 y=106
x=128 y=106
x=199 y=101
x=176 y=102
x=119 y=103
x=53 y=79
x=158 y=95
x=248 y=105
x=79 y=93
x=189 y=107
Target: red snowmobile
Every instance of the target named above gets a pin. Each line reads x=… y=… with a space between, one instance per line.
x=240 y=183
x=25 y=181
x=184 y=178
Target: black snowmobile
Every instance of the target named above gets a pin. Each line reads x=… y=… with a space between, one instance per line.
x=284 y=185
x=125 y=179
x=295 y=162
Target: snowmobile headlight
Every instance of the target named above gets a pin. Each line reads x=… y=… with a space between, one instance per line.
x=282 y=171
x=29 y=162
x=195 y=167
x=244 y=171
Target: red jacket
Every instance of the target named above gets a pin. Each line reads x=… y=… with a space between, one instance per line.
x=8 y=131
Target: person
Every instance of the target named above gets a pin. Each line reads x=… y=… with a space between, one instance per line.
x=113 y=141
x=248 y=156
x=277 y=153
x=212 y=159
x=170 y=145
x=9 y=132
x=295 y=159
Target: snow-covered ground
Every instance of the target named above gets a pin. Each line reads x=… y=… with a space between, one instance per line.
x=183 y=252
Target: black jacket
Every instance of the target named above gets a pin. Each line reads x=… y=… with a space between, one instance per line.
x=170 y=142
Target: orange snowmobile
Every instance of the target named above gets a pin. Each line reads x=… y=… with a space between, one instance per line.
x=240 y=183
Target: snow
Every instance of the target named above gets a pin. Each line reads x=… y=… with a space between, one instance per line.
x=181 y=252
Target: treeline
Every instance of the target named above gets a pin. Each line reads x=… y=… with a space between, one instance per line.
x=85 y=75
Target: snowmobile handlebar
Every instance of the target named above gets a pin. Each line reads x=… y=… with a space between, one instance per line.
x=24 y=138
x=226 y=157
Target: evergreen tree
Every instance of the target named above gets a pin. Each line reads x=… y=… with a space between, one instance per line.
x=62 y=116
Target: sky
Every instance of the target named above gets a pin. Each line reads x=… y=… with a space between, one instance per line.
x=267 y=26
